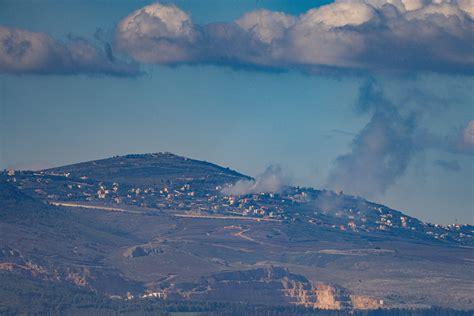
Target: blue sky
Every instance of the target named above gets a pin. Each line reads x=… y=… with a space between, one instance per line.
x=243 y=117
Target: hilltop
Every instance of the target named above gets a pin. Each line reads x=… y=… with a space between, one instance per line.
x=151 y=169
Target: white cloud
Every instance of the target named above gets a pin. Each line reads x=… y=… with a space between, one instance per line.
x=444 y=8
x=266 y=25
x=411 y=5
x=356 y=35
x=467 y=6
x=361 y=35
x=337 y=14
x=157 y=34
x=468 y=133
x=22 y=51
x=466 y=138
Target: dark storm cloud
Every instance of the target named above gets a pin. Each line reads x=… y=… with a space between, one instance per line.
x=24 y=52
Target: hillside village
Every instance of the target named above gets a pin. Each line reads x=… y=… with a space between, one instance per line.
x=190 y=196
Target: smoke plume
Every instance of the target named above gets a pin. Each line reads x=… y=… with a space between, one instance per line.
x=272 y=180
x=383 y=149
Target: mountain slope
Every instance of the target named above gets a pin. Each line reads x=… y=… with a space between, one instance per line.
x=159 y=224
x=17 y=206
x=45 y=242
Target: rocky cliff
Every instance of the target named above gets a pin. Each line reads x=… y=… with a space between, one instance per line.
x=270 y=286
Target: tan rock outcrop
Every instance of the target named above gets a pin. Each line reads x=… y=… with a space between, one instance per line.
x=331 y=297
x=365 y=302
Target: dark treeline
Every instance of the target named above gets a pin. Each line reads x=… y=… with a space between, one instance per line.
x=19 y=295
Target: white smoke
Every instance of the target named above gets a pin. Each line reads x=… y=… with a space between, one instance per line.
x=381 y=151
x=272 y=180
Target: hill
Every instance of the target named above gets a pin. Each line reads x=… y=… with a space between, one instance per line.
x=152 y=169
x=160 y=227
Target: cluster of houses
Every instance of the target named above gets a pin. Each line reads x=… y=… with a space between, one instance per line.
x=293 y=204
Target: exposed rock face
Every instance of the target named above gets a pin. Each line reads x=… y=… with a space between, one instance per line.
x=365 y=302
x=338 y=298
x=270 y=286
x=301 y=293
x=331 y=297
